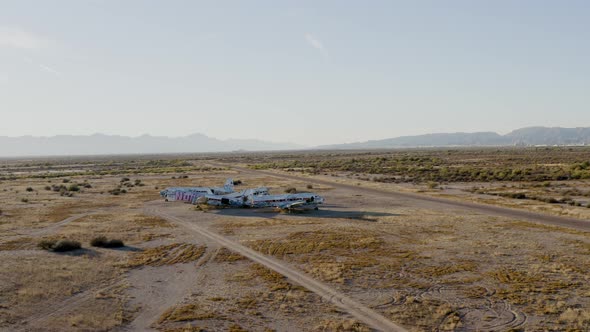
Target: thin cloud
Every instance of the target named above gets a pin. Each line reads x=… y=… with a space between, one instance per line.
x=50 y=70
x=314 y=42
x=45 y=68
x=13 y=37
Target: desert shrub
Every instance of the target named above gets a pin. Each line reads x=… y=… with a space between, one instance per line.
x=1 y=212
x=64 y=192
x=103 y=242
x=66 y=245
x=309 y=186
x=237 y=182
x=58 y=188
x=47 y=188
x=29 y=189
x=99 y=241
x=432 y=185
x=86 y=185
x=46 y=244
x=59 y=245
x=117 y=191
x=73 y=187
x=24 y=200
x=291 y=190
x=125 y=179
x=66 y=180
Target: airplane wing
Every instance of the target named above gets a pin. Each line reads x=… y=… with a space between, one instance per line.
x=292 y=205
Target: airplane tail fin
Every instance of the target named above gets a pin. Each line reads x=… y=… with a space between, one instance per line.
x=229 y=185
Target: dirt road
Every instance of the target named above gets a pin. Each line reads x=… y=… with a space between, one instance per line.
x=357 y=310
x=419 y=199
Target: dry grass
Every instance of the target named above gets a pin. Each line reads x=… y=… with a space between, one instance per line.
x=298 y=243
x=35 y=281
x=189 y=312
x=348 y=325
x=228 y=256
x=276 y=281
x=131 y=228
x=170 y=254
x=151 y=221
x=446 y=269
x=105 y=311
x=187 y=328
x=18 y=244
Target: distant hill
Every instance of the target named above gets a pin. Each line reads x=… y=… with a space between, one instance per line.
x=524 y=136
x=112 y=144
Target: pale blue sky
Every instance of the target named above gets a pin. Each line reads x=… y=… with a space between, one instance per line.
x=309 y=72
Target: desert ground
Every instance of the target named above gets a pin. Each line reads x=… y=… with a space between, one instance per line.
x=417 y=240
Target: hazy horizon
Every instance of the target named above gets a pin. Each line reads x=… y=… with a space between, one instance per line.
x=300 y=72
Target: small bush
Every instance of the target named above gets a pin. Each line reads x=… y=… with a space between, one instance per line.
x=66 y=245
x=103 y=242
x=58 y=188
x=74 y=187
x=47 y=188
x=99 y=241
x=29 y=189
x=125 y=179
x=46 y=244
x=24 y=200
x=237 y=182
x=309 y=186
x=59 y=245
x=117 y=191
x=552 y=201
x=66 y=180
x=291 y=190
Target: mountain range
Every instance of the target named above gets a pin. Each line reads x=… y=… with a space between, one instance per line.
x=98 y=144
x=529 y=136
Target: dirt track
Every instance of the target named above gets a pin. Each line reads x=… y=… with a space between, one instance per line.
x=359 y=311
x=418 y=199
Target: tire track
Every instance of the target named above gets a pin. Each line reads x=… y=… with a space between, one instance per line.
x=50 y=228
x=68 y=304
x=357 y=310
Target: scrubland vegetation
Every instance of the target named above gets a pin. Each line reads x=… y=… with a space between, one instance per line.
x=420 y=266
x=462 y=165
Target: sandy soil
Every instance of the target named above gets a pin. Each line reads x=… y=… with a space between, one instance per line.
x=367 y=259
